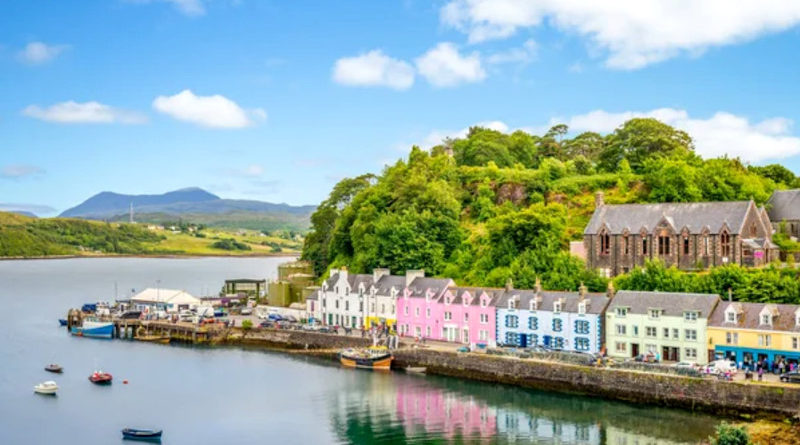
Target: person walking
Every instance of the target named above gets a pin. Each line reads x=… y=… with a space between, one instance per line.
x=760 y=373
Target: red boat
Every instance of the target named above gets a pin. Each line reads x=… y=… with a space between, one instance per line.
x=100 y=378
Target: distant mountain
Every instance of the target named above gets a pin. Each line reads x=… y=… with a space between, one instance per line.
x=194 y=205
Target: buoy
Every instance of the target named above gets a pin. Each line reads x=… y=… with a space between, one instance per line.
x=124 y=382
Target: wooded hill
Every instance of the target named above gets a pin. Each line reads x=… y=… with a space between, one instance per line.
x=493 y=206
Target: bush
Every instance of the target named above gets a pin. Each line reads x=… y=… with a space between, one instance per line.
x=230 y=244
x=247 y=325
x=730 y=435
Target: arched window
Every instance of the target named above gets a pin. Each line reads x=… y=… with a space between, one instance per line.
x=625 y=245
x=663 y=243
x=605 y=243
x=725 y=243
x=685 y=244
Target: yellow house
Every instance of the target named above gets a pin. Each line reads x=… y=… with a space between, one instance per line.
x=754 y=332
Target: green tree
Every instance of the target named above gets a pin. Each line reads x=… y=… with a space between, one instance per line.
x=644 y=138
x=728 y=434
x=671 y=181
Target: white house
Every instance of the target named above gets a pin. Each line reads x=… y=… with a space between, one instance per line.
x=342 y=298
x=170 y=300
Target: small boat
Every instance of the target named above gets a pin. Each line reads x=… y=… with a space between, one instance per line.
x=416 y=370
x=141 y=434
x=62 y=322
x=163 y=339
x=49 y=387
x=100 y=378
x=94 y=328
x=54 y=368
x=376 y=357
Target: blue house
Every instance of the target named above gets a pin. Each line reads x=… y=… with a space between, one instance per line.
x=571 y=321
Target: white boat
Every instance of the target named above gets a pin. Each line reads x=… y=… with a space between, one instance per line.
x=48 y=387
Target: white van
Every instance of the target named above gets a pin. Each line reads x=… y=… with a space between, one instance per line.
x=721 y=366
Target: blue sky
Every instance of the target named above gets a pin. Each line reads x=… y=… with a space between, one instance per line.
x=276 y=101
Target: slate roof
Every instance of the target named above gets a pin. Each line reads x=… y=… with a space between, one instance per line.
x=672 y=303
x=475 y=293
x=314 y=295
x=749 y=317
x=354 y=280
x=597 y=301
x=784 y=205
x=385 y=283
x=437 y=285
x=693 y=215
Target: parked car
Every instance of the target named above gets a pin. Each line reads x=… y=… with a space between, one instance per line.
x=247 y=311
x=646 y=358
x=275 y=317
x=266 y=324
x=685 y=365
x=325 y=330
x=290 y=318
x=791 y=377
x=720 y=367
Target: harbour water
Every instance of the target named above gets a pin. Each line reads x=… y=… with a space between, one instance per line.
x=242 y=396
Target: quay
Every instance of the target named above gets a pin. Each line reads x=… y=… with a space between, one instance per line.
x=136 y=329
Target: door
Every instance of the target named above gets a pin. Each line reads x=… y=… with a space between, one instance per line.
x=465 y=338
x=546 y=341
x=634 y=349
x=523 y=341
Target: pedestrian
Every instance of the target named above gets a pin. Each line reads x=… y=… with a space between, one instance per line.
x=760 y=373
x=782 y=367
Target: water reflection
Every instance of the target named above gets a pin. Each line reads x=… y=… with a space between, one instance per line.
x=400 y=408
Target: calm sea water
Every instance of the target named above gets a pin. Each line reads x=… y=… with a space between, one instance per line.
x=240 y=396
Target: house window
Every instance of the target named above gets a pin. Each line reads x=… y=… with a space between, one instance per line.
x=644 y=246
x=705 y=245
x=512 y=338
x=512 y=321
x=654 y=313
x=730 y=317
x=625 y=245
x=765 y=340
x=405 y=310
x=336 y=303
x=651 y=331
x=416 y=311
x=511 y=304
x=666 y=332
x=690 y=316
x=484 y=318
x=690 y=334
x=676 y=333
x=621 y=346
x=428 y=312
x=558 y=342
x=582 y=308
x=725 y=242
x=635 y=331
x=324 y=302
x=533 y=339
x=663 y=244
x=621 y=311
x=483 y=335
x=557 y=323
x=448 y=316
x=582 y=344
x=347 y=305
x=466 y=316
x=690 y=353
x=621 y=330
x=795 y=342
x=605 y=244
x=582 y=327
x=533 y=323
x=766 y=319
x=534 y=305
x=360 y=306
x=427 y=331
x=418 y=331
x=557 y=307
x=685 y=244
x=731 y=338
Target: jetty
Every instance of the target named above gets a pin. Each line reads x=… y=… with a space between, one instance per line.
x=147 y=330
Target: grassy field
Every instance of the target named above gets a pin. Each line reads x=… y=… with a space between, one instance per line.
x=189 y=244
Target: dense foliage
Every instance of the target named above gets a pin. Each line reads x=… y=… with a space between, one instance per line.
x=493 y=206
x=230 y=244
x=728 y=434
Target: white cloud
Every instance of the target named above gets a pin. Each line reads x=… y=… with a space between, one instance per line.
x=523 y=54
x=37 y=53
x=373 y=68
x=18 y=171
x=721 y=134
x=208 y=111
x=443 y=66
x=635 y=33
x=436 y=137
x=71 y=112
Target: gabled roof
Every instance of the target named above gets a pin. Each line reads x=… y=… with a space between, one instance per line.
x=694 y=216
x=672 y=303
x=314 y=295
x=385 y=284
x=784 y=205
x=165 y=296
x=437 y=286
x=459 y=293
x=353 y=280
x=597 y=301
x=749 y=317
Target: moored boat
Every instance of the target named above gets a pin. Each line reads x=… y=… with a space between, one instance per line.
x=94 y=328
x=54 y=368
x=48 y=388
x=163 y=339
x=62 y=322
x=376 y=357
x=141 y=434
x=100 y=378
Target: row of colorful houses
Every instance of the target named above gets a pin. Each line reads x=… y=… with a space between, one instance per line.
x=671 y=326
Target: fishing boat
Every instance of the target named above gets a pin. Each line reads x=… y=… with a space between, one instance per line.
x=49 y=388
x=163 y=339
x=100 y=378
x=94 y=328
x=62 y=322
x=375 y=357
x=52 y=367
x=142 y=434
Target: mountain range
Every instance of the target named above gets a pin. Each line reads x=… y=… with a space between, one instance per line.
x=193 y=205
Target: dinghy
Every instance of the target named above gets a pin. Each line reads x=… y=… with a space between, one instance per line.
x=54 y=368
x=49 y=387
x=141 y=434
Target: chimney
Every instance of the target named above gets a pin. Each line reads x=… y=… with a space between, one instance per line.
x=730 y=295
x=599 y=200
x=509 y=284
x=378 y=273
x=412 y=274
x=610 y=291
x=582 y=291
x=343 y=273
x=538 y=286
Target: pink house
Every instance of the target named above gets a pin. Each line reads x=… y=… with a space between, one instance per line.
x=455 y=314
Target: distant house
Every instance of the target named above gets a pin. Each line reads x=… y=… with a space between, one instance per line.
x=668 y=325
x=687 y=235
x=752 y=332
x=342 y=298
x=170 y=300
x=419 y=312
x=560 y=320
x=382 y=301
x=784 y=205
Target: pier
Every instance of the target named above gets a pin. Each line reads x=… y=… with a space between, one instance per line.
x=150 y=330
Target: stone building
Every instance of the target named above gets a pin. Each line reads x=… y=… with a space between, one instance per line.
x=690 y=236
x=784 y=205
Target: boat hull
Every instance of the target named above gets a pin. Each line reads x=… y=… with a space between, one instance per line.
x=141 y=435
x=62 y=322
x=45 y=391
x=94 y=330
x=381 y=363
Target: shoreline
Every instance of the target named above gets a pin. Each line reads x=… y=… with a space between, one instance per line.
x=155 y=255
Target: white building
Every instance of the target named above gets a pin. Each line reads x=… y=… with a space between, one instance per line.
x=342 y=298
x=169 y=300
